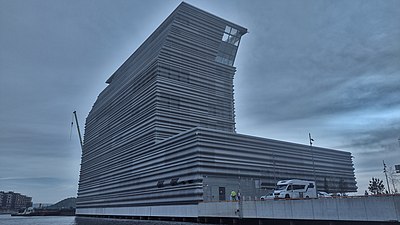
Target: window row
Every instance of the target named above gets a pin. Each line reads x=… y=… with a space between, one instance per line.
x=225 y=59
x=231 y=36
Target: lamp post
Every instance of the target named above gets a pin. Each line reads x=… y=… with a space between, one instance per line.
x=312 y=156
x=385 y=171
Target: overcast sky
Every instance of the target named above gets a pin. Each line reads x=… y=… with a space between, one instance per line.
x=331 y=68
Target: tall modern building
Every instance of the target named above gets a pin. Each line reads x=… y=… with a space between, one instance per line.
x=162 y=133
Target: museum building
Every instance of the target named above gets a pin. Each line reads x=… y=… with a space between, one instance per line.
x=163 y=131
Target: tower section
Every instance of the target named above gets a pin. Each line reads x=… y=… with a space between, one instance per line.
x=180 y=78
x=195 y=79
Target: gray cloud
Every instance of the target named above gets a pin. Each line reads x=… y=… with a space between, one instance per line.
x=331 y=69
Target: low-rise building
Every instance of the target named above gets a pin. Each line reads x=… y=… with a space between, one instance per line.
x=14 y=201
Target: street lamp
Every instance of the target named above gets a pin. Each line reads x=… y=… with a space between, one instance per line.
x=312 y=156
x=385 y=171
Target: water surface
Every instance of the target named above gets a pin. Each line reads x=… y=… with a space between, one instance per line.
x=71 y=220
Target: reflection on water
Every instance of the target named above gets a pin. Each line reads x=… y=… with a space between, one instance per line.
x=71 y=220
x=36 y=220
x=101 y=221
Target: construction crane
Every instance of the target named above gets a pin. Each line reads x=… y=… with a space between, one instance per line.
x=79 y=131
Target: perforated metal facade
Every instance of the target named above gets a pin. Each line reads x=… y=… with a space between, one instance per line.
x=163 y=131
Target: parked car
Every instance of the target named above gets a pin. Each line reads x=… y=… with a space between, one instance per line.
x=268 y=196
x=323 y=194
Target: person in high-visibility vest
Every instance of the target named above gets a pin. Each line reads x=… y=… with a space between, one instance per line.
x=233 y=195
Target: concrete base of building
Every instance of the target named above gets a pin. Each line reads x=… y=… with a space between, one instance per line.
x=383 y=209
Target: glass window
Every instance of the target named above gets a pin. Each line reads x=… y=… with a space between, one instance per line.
x=236 y=41
x=234 y=32
x=231 y=36
x=281 y=187
x=228 y=47
x=224 y=59
x=298 y=187
x=228 y=29
x=225 y=37
x=231 y=39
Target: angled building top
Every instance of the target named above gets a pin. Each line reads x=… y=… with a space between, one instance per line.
x=208 y=27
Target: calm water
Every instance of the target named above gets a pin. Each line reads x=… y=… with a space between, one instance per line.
x=71 y=220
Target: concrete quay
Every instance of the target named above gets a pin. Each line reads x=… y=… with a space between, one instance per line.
x=368 y=209
x=343 y=210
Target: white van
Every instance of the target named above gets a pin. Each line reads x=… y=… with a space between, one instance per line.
x=295 y=189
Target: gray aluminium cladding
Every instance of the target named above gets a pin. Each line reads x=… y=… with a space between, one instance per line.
x=163 y=131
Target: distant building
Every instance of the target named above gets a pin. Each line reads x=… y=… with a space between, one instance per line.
x=162 y=133
x=14 y=201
